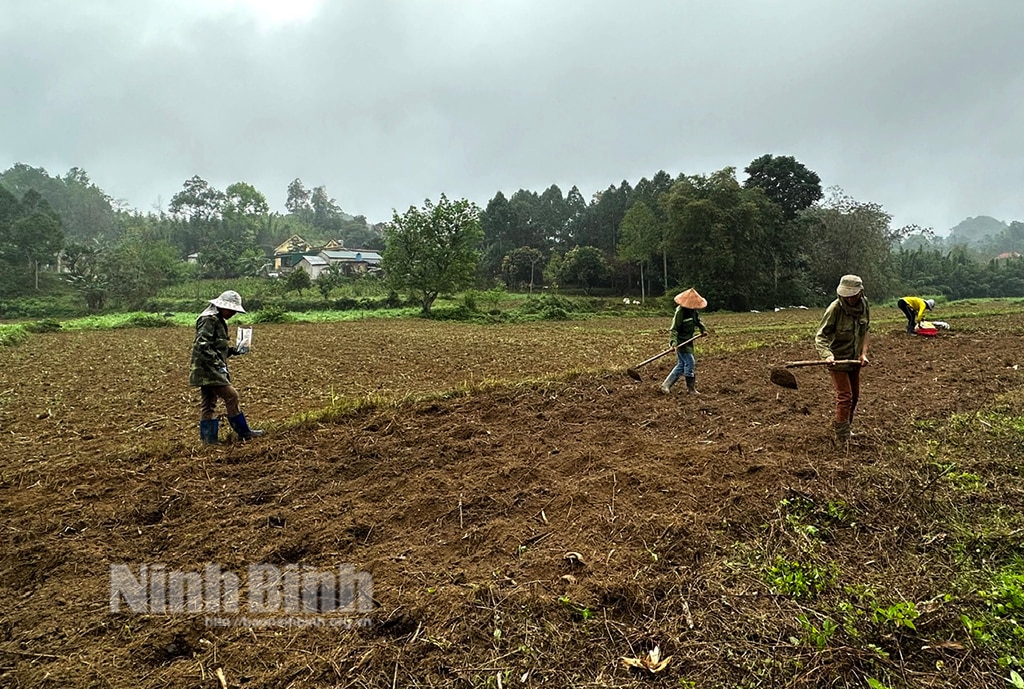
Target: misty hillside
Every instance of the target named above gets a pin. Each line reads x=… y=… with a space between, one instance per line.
x=975 y=231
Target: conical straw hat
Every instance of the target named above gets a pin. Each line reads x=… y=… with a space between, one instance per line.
x=690 y=299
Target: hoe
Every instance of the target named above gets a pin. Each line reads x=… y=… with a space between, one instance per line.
x=780 y=376
x=635 y=374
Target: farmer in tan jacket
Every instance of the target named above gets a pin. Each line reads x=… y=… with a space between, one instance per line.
x=843 y=335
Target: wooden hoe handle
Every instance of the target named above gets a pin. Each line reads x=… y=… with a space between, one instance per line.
x=821 y=362
x=655 y=357
x=666 y=352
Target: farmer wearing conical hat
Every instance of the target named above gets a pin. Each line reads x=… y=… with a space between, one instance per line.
x=685 y=323
x=913 y=308
x=843 y=335
x=210 y=352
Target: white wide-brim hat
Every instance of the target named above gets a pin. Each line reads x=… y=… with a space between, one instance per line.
x=230 y=300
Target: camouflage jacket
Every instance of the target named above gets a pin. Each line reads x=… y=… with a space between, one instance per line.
x=210 y=350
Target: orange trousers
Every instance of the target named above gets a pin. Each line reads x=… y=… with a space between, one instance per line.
x=847 y=386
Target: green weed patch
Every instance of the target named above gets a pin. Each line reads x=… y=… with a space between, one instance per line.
x=11 y=335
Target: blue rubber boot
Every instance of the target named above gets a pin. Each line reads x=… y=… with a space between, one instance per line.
x=209 y=431
x=240 y=426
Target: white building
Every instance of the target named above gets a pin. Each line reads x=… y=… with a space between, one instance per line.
x=352 y=261
x=314 y=265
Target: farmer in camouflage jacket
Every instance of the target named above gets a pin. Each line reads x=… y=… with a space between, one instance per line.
x=210 y=352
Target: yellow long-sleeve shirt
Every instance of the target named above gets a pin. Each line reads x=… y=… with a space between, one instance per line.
x=918 y=305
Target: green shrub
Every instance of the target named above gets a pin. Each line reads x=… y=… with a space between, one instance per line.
x=551 y=307
x=494 y=296
x=145 y=320
x=272 y=314
x=459 y=312
x=44 y=326
x=799 y=579
x=554 y=313
x=173 y=305
x=11 y=335
x=347 y=304
x=56 y=306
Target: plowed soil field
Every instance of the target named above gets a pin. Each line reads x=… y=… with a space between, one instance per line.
x=528 y=514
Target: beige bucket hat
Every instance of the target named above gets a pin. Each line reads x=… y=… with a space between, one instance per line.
x=850 y=285
x=689 y=299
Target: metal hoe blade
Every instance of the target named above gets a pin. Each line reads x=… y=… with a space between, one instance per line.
x=780 y=376
x=784 y=378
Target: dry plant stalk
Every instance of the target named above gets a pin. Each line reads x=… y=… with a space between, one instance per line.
x=652 y=662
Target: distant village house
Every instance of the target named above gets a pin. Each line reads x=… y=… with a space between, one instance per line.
x=314 y=265
x=353 y=261
x=296 y=253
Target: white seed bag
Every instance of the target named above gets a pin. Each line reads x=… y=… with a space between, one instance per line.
x=244 y=339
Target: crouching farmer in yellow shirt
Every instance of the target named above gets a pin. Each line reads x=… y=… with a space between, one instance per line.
x=913 y=308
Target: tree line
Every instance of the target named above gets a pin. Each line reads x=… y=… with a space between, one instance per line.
x=777 y=238
x=112 y=255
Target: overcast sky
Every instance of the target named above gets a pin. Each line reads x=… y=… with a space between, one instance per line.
x=912 y=104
